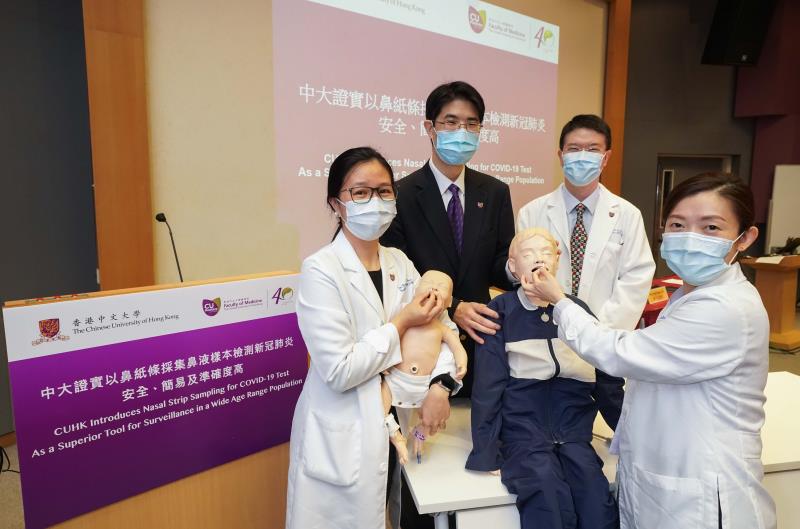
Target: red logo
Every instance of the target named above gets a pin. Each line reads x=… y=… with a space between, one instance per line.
x=49 y=331
x=49 y=328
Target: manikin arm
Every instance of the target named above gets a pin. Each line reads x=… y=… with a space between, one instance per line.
x=459 y=353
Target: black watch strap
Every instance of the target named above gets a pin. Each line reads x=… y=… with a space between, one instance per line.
x=446 y=380
x=452 y=308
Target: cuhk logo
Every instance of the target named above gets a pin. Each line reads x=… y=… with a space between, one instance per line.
x=211 y=306
x=283 y=295
x=49 y=331
x=477 y=19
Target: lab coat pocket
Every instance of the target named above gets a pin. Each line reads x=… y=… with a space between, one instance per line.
x=614 y=246
x=331 y=450
x=666 y=502
x=751 y=446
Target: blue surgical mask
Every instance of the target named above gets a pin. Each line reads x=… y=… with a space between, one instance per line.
x=697 y=259
x=370 y=220
x=582 y=167
x=456 y=147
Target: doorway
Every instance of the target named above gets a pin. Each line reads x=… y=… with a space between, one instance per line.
x=672 y=169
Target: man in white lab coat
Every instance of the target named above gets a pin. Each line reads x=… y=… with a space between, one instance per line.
x=605 y=256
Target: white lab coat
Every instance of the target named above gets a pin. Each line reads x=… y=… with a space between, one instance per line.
x=618 y=265
x=690 y=429
x=339 y=445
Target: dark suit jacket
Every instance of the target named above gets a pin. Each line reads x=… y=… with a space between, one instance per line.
x=422 y=230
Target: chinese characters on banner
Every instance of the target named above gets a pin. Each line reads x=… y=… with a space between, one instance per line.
x=199 y=375
x=384 y=104
x=349 y=73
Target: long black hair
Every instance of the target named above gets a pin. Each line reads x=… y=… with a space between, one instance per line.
x=343 y=164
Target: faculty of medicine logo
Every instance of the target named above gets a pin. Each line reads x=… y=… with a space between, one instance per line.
x=211 y=306
x=477 y=19
x=50 y=331
x=283 y=295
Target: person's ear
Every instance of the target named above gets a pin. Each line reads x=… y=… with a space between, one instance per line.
x=606 y=157
x=512 y=267
x=428 y=124
x=746 y=240
x=337 y=208
x=561 y=157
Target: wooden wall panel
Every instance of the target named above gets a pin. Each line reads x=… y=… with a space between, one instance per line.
x=247 y=493
x=114 y=33
x=616 y=87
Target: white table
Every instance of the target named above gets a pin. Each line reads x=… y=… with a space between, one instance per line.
x=441 y=484
x=781 y=452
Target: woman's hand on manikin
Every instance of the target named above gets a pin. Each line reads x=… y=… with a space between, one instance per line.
x=543 y=285
x=425 y=307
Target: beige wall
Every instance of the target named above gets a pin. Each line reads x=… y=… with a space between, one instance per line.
x=581 y=58
x=209 y=72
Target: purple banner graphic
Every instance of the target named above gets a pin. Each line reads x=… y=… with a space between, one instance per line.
x=98 y=425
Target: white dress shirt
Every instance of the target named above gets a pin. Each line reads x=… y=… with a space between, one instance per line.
x=588 y=213
x=444 y=183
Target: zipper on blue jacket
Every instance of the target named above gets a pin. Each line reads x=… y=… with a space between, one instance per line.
x=556 y=440
x=553 y=356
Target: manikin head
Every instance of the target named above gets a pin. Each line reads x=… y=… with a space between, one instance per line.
x=438 y=282
x=531 y=249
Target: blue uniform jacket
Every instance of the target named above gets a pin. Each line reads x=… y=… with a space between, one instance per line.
x=531 y=388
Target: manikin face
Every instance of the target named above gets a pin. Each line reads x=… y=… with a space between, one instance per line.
x=531 y=254
x=439 y=282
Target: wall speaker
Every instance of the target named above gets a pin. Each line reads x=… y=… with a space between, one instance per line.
x=737 y=32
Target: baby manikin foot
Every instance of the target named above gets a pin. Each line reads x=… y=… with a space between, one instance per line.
x=397 y=438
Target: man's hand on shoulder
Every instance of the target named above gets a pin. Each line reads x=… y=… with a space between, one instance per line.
x=474 y=318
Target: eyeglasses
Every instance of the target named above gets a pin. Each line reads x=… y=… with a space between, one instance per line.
x=591 y=148
x=454 y=124
x=363 y=194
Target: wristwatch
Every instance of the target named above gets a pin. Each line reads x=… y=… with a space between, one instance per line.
x=444 y=380
x=452 y=308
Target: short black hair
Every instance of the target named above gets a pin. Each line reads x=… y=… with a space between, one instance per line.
x=726 y=185
x=344 y=163
x=449 y=92
x=586 y=121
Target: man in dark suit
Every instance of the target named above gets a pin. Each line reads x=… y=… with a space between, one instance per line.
x=457 y=220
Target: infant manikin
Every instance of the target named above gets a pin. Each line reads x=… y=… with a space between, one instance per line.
x=406 y=384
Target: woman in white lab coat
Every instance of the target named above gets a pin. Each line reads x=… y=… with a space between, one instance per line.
x=355 y=300
x=689 y=439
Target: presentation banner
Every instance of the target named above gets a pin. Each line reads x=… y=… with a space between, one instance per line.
x=349 y=73
x=117 y=394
